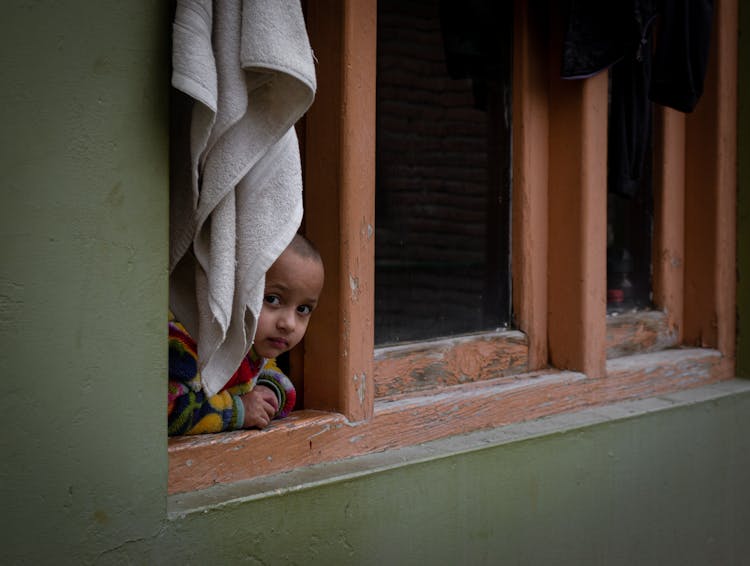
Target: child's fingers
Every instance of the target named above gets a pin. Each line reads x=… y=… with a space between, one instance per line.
x=258 y=412
x=269 y=409
x=268 y=396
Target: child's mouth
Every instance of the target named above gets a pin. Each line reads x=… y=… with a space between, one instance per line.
x=278 y=343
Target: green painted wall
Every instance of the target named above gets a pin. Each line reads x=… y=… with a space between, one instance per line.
x=83 y=234
x=83 y=242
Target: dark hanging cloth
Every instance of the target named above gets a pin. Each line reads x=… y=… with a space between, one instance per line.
x=475 y=41
x=596 y=36
x=618 y=35
x=630 y=115
x=681 y=56
x=629 y=136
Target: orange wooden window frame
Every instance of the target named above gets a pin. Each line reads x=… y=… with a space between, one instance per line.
x=559 y=226
x=340 y=206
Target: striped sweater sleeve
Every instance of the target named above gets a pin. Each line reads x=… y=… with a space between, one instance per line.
x=273 y=378
x=191 y=412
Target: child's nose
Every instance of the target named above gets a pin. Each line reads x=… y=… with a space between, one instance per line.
x=286 y=320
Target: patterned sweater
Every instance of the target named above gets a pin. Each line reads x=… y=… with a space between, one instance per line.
x=191 y=412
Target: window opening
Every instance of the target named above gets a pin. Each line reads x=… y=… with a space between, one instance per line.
x=442 y=258
x=629 y=190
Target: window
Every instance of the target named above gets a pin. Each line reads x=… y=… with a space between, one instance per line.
x=629 y=180
x=442 y=169
x=359 y=398
x=629 y=195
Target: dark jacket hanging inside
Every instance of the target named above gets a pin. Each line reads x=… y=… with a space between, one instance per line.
x=618 y=36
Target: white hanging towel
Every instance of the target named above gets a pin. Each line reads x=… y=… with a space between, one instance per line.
x=247 y=69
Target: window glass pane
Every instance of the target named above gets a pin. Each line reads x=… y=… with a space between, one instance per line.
x=630 y=190
x=443 y=168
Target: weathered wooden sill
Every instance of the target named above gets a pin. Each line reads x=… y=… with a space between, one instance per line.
x=310 y=437
x=451 y=361
x=639 y=332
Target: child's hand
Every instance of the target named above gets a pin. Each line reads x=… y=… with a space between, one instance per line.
x=261 y=405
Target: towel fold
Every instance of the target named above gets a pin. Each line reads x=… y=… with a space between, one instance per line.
x=247 y=70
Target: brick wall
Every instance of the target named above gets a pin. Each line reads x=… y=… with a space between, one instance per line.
x=433 y=183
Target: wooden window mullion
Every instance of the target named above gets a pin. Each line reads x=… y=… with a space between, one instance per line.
x=530 y=178
x=577 y=220
x=710 y=194
x=340 y=188
x=669 y=216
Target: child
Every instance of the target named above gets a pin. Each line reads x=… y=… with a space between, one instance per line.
x=258 y=391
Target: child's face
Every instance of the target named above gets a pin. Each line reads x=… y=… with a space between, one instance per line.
x=293 y=285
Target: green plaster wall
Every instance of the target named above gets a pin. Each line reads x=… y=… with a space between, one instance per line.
x=83 y=244
x=83 y=240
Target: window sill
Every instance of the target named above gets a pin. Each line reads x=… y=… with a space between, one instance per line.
x=181 y=505
x=443 y=362
x=311 y=437
x=639 y=332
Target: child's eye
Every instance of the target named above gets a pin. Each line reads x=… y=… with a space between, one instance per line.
x=271 y=300
x=304 y=309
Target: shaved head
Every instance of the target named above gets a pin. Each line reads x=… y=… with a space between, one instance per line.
x=304 y=248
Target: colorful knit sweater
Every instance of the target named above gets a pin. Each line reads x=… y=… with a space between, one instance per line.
x=191 y=412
